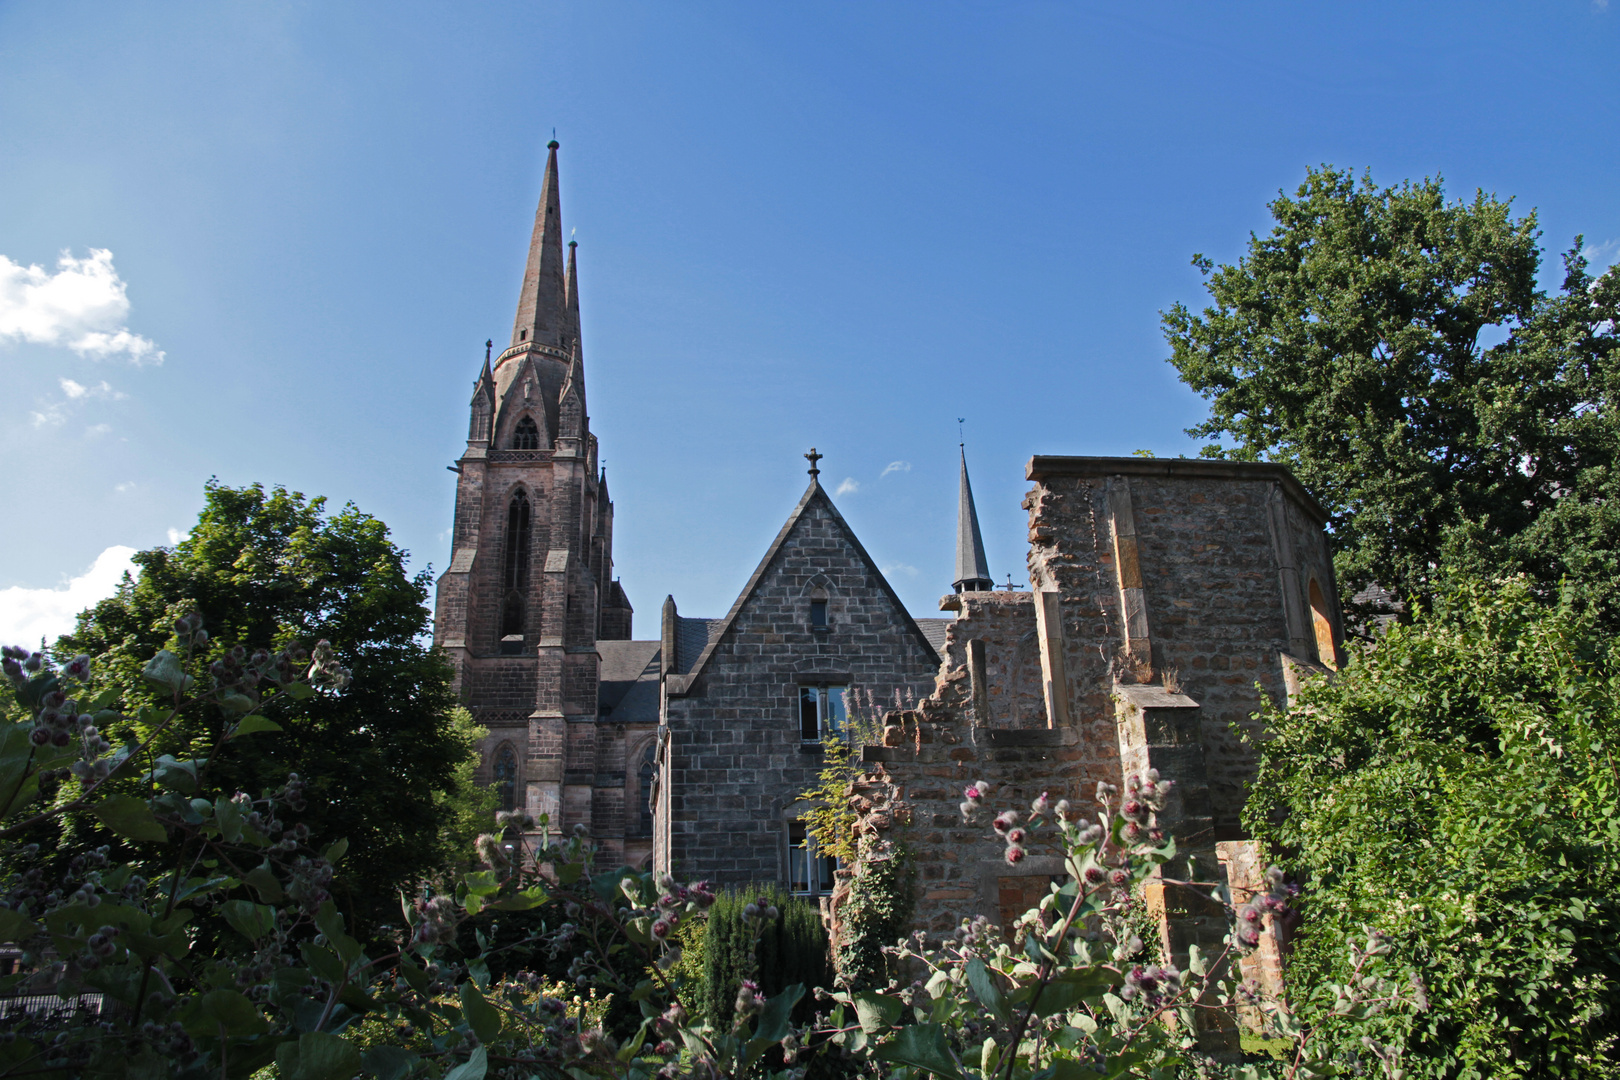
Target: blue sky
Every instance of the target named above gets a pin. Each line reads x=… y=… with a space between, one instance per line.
x=840 y=225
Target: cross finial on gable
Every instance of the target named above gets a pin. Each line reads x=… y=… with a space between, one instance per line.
x=812 y=457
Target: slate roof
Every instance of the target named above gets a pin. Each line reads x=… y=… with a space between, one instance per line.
x=628 y=690
x=692 y=637
x=934 y=631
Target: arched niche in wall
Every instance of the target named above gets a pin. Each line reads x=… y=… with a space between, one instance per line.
x=1322 y=625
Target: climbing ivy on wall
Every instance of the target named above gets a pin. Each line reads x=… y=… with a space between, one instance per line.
x=882 y=900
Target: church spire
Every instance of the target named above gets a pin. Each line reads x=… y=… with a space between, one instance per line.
x=571 y=292
x=972 y=571
x=542 y=313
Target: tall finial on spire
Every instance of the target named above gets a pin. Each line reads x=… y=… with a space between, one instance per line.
x=812 y=457
x=542 y=313
x=972 y=569
x=488 y=345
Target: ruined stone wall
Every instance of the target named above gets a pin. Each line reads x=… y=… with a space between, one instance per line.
x=1188 y=575
x=1169 y=600
x=1005 y=665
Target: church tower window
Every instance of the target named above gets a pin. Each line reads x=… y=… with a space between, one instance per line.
x=506 y=776
x=646 y=778
x=526 y=436
x=516 y=573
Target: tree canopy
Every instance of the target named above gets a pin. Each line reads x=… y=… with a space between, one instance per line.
x=377 y=761
x=1454 y=788
x=1397 y=353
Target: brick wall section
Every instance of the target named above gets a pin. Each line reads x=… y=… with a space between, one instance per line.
x=736 y=766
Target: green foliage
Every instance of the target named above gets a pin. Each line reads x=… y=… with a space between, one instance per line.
x=791 y=949
x=828 y=817
x=383 y=763
x=877 y=914
x=1353 y=343
x=1455 y=789
x=465 y=807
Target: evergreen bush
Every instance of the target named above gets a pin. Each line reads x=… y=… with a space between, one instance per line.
x=792 y=950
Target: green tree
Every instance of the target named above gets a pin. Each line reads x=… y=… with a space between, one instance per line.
x=381 y=763
x=1395 y=351
x=1455 y=789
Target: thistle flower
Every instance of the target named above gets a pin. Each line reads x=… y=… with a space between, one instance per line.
x=1041 y=806
x=1005 y=820
x=749 y=999
x=1015 y=854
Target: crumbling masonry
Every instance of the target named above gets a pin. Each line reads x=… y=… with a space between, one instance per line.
x=1168 y=599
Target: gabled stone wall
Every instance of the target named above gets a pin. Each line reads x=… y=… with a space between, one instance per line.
x=734 y=765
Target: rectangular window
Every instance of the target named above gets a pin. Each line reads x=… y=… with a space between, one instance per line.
x=821 y=712
x=818 y=614
x=810 y=873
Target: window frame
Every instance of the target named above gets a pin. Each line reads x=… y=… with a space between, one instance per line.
x=828 y=720
x=820 y=872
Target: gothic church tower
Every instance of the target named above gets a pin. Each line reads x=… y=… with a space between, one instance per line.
x=530 y=589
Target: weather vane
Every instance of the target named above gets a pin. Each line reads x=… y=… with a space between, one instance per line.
x=961 y=439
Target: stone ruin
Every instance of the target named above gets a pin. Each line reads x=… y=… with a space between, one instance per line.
x=1168 y=600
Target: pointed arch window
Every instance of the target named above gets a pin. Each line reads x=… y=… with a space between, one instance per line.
x=506 y=776
x=516 y=573
x=526 y=436
x=646 y=777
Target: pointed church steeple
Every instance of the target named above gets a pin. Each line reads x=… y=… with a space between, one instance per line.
x=571 y=292
x=542 y=312
x=972 y=571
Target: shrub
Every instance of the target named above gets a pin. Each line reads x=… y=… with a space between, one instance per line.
x=1454 y=789
x=791 y=949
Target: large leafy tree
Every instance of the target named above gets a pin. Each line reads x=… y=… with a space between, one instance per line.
x=1455 y=789
x=383 y=762
x=1395 y=350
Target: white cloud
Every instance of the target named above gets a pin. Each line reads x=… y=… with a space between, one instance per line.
x=82 y=306
x=50 y=416
x=26 y=615
x=899 y=568
x=103 y=390
x=895 y=466
x=847 y=485
x=1601 y=255
x=125 y=488
x=175 y=536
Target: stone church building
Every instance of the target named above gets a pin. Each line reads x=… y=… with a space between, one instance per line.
x=1168 y=599
x=690 y=749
